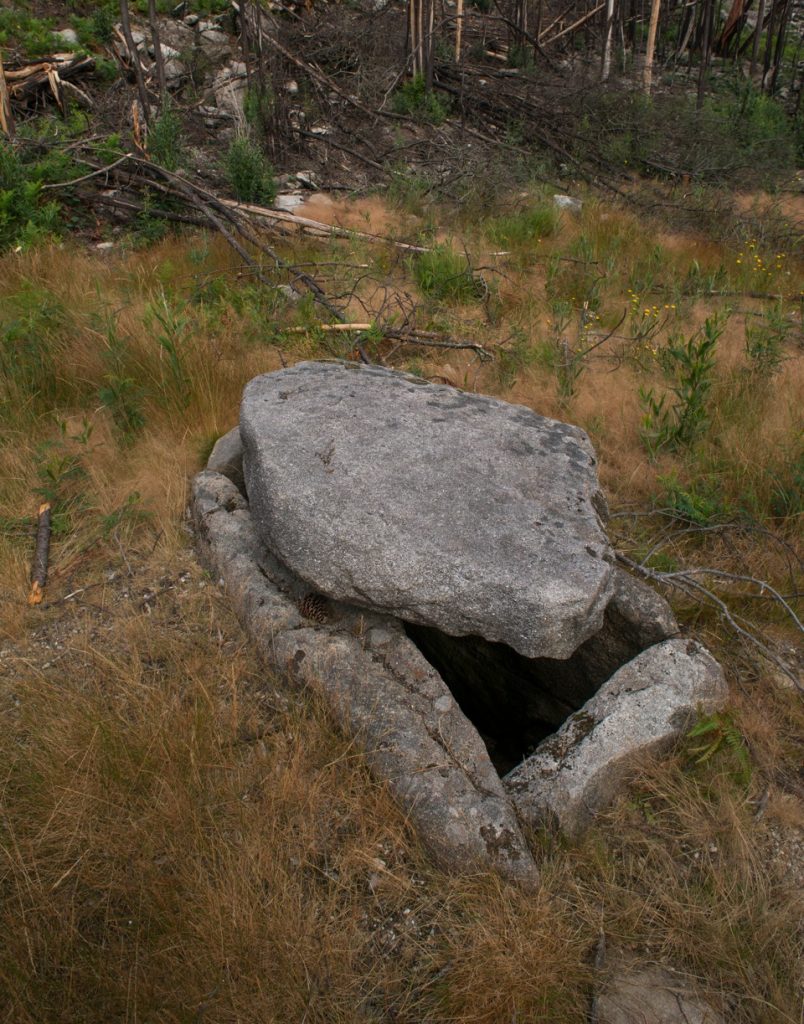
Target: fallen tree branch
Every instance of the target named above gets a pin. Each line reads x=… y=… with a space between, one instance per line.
x=41 y=555
x=692 y=588
x=428 y=339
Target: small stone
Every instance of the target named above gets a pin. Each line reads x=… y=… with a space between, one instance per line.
x=226 y=457
x=567 y=203
x=68 y=36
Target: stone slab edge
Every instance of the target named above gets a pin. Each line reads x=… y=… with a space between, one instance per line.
x=378 y=687
x=642 y=708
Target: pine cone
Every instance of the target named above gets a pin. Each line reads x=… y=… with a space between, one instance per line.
x=315 y=606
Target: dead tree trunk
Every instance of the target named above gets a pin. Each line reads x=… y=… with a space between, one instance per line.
x=605 y=69
x=159 y=57
x=6 y=117
x=706 y=46
x=125 y=24
x=757 y=37
x=781 y=38
x=421 y=23
x=647 y=75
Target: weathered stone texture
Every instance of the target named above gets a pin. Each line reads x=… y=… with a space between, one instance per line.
x=451 y=510
x=378 y=687
x=644 y=706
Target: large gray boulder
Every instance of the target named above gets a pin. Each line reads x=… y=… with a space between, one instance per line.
x=451 y=510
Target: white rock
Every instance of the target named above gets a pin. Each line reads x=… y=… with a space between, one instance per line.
x=568 y=203
x=68 y=36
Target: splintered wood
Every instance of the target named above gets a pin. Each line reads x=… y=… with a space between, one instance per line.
x=50 y=73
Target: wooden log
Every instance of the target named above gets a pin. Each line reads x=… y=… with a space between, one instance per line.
x=6 y=117
x=41 y=555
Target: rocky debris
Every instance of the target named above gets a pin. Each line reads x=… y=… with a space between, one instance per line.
x=452 y=510
x=229 y=87
x=378 y=687
x=642 y=707
x=649 y=994
x=184 y=44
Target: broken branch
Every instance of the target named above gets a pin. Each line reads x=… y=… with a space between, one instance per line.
x=41 y=555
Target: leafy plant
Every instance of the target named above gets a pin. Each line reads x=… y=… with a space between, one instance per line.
x=513 y=357
x=175 y=384
x=123 y=398
x=443 y=273
x=414 y=99
x=699 y=504
x=251 y=177
x=164 y=140
x=130 y=514
x=61 y=470
x=524 y=227
x=97 y=29
x=764 y=343
x=720 y=741
x=24 y=220
x=678 y=424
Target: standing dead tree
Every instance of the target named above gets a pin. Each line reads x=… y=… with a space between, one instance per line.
x=421 y=26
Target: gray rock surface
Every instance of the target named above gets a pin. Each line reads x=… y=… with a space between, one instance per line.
x=644 y=706
x=226 y=458
x=649 y=994
x=452 y=510
x=229 y=87
x=379 y=689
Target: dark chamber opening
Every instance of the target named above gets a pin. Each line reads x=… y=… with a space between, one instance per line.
x=515 y=702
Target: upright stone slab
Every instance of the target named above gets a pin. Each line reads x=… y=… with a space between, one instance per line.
x=442 y=508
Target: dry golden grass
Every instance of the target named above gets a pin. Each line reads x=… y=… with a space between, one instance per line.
x=183 y=838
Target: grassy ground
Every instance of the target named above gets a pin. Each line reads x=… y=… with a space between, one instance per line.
x=182 y=838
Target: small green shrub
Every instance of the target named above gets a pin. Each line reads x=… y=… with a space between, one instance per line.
x=95 y=30
x=123 y=398
x=32 y=35
x=716 y=740
x=445 y=274
x=414 y=99
x=251 y=177
x=164 y=140
x=32 y=328
x=24 y=219
x=61 y=468
x=175 y=386
x=259 y=108
x=699 y=503
x=513 y=357
x=680 y=423
x=764 y=342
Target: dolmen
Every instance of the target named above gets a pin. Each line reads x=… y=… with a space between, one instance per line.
x=435 y=564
